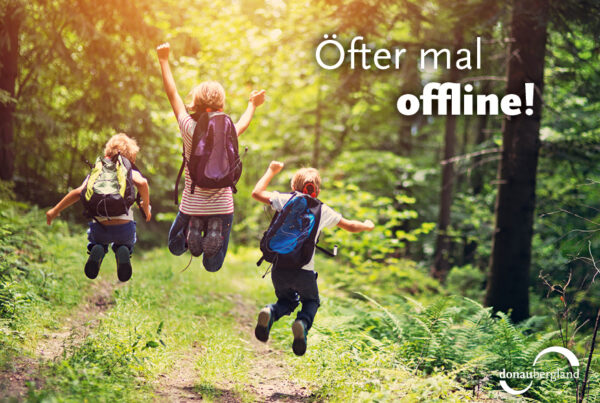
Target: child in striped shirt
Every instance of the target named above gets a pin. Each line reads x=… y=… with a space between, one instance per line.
x=203 y=223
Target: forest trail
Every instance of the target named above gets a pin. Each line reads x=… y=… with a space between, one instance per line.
x=73 y=330
x=270 y=376
x=76 y=327
x=178 y=385
x=205 y=332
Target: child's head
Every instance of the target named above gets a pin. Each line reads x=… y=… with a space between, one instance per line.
x=304 y=176
x=121 y=143
x=209 y=94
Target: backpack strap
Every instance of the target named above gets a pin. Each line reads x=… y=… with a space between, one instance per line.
x=176 y=191
x=199 y=131
x=328 y=253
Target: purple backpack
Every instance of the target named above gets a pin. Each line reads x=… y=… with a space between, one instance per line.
x=214 y=161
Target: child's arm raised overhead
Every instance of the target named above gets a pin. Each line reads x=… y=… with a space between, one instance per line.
x=71 y=198
x=260 y=192
x=356 y=226
x=256 y=99
x=141 y=184
x=170 y=88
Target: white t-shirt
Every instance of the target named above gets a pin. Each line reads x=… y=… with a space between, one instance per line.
x=329 y=218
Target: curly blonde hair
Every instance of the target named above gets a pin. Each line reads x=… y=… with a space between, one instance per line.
x=209 y=94
x=122 y=143
x=303 y=176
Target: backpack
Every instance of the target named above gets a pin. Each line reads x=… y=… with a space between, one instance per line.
x=214 y=158
x=109 y=190
x=290 y=239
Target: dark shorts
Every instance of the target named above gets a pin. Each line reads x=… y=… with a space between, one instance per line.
x=117 y=235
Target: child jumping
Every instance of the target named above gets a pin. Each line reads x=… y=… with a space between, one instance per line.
x=203 y=222
x=295 y=282
x=108 y=194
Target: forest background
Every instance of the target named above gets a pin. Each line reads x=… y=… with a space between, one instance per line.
x=501 y=211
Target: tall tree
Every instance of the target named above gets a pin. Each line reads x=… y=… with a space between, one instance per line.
x=442 y=263
x=508 y=282
x=9 y=51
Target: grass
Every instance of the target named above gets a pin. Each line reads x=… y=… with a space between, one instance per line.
x=383 y=332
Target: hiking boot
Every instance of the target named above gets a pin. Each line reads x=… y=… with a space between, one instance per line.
x=300 y=332
x=263 y=324
x=123 y=263
x=194 y=236
x=213 y=240
x=92 y=266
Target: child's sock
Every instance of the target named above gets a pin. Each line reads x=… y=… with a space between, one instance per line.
x=300 y=333
x=92 y=266
x=263 y=324
x=123 y=263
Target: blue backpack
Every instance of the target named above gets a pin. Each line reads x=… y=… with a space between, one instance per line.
x=290 y=239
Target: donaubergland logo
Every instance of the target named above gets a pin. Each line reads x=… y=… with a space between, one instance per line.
x=553 y=375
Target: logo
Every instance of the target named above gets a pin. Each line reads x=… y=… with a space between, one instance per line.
x=540 y=375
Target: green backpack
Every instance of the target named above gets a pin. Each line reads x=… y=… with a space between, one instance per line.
x=109 y=190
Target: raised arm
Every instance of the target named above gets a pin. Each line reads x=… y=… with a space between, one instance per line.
x=141 y=184
x=356 y=226
x=71 y=198
x=170 y=88
x=260 y=192
x=256 y=99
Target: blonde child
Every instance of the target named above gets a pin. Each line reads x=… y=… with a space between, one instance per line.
x=120 y=231
x=203 y=222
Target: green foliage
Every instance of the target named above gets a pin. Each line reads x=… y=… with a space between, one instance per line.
x=389 y=236
x=467 y=281
x=25 y=278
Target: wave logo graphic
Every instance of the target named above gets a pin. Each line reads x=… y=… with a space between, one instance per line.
x=573 y=360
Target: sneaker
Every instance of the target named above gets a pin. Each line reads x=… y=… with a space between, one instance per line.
x=300 y=332
x=194 y=236
x=92 y=266
x=213 y=240
x=123 y=263
x=263 y=324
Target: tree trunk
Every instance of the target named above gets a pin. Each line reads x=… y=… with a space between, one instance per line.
x=9 y=52
x=442 y=263
x=317 y=142
x=477 y=172
x=508 y=282
x=411 y=84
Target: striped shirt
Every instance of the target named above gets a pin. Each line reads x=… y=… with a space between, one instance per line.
x=202 y=201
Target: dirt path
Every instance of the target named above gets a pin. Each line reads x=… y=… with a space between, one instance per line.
x=178 y=385
x=270 y=379
x=270 y=375
x=74 y=329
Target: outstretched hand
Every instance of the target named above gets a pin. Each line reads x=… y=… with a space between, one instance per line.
x=275 y=166
x=257 y=97
x=147 y=209
x=369 y=225
x=163 y=50
x=50 y=215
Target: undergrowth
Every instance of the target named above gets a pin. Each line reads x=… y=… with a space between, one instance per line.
x=385 y=330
